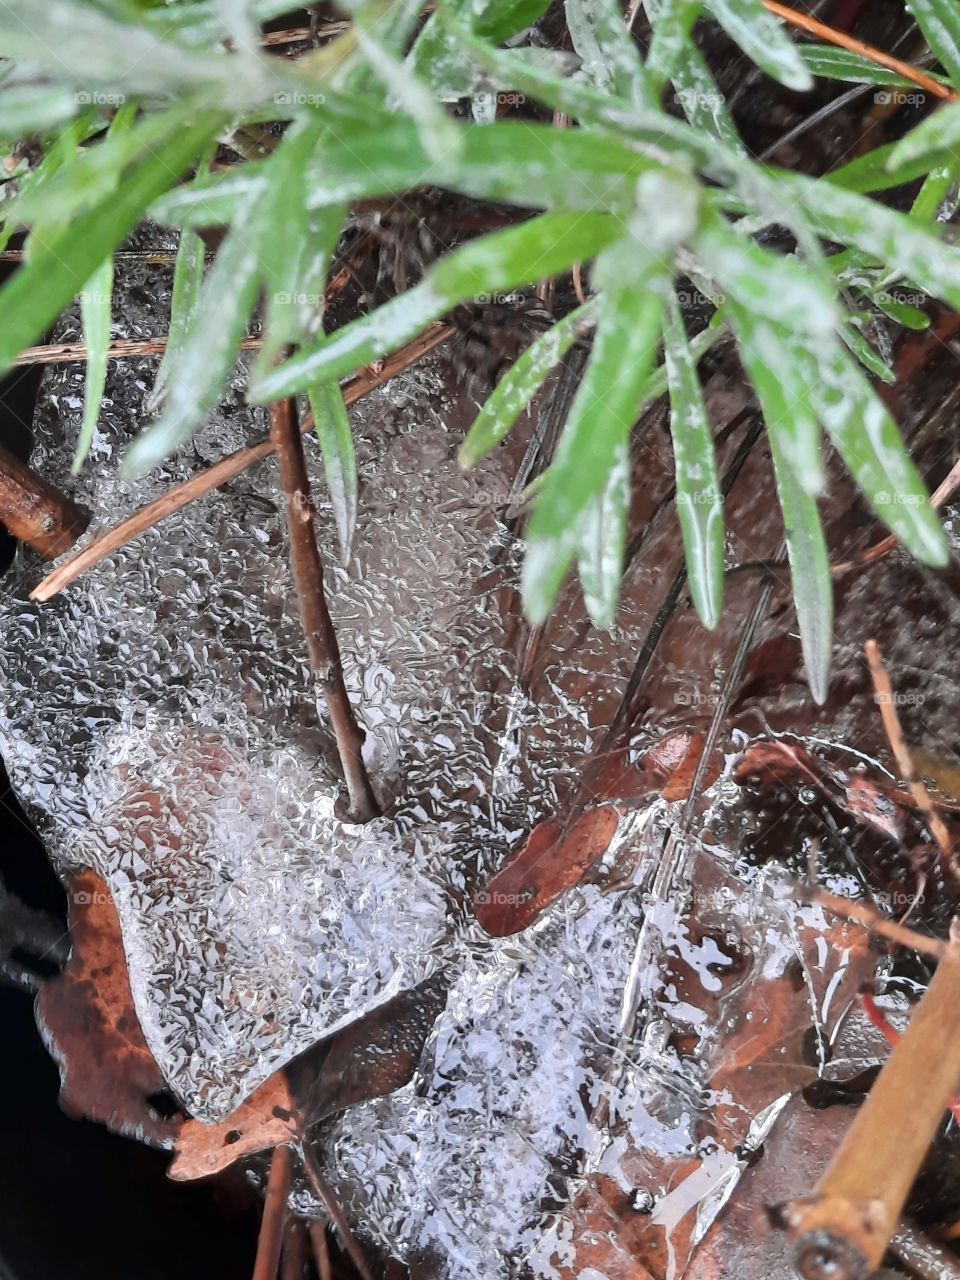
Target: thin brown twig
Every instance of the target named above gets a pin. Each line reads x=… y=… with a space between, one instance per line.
x=812 y=26
x=35 y=511
x=324 y=1192
x=270 y=1240
x=226 y=469
x=901 y=753
x=119 y=349
x=876 y=923
x=321 y=1250
x=323 y=650
x=944 y=490
x=294 y=1263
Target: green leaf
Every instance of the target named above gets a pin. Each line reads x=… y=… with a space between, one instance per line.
x=903 y=313
x=95 y=300
x=935 y=196
x=763 y=39
x=939 y=132
x=810 y=572
x=209 y=345
x=339 y=459
x=866 y=437
x=40 y=289
x=699 y=500
x=504 y=260
x=865 y=353
x=831 y=63
x=187 y=280
x=771 y=356
x=903 y=246
x=607 y=51
x=602 y=541
x=671 y=22
x=873 y=171
x=939 y=20
x=33 y=108
x=516 y=389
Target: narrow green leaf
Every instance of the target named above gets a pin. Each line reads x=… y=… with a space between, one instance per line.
x=671 y=22
x=902 y=313
x=504 y=260
x=40 y=289
x=699 y=500
x=187 y=280
x=209 y=345
x=939 y=20
x=763 y=39
x=938 y=192
x=606 y=48
x=95 y=310
x=870 y=359
x=831 y=63
x=339 y=459
x=34 y=108
x=903 y=246
x=810 y=572
x=603 y=539
x=516 y=389
x=939 y=132
x=873 y=171
x=866 y=437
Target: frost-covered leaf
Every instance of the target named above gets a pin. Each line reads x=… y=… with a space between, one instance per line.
x=187 y=279
x=903 y=246
x=939 y=20
x=606 y=48
x=41 y=288
x=866 y=437
x=939 y=132
x=95 y=309
x=699 y=500
x=209 y=346
x=671 y=22
x=763 y=39
x=810 y=573
x=339 y=458
x=516 y=389
x=602 y=542
x=504 y=260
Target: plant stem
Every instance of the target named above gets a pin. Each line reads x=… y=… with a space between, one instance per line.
x=270 y=1239
x=36 y=512
x=322 y=648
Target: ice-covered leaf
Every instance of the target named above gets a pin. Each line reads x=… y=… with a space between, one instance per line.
x=939 y=20
x=671 y=22
x=187 y=279
x=607 y=50
x=763 y=40
x=339 y=458
x=95 y=310
x=209 y=344
x=41 y=288
x=516 y=389
x=810 y=573
x=699 y=500
x=504 y=260
x=867 y=439
x=903 y=246
x=603 y=538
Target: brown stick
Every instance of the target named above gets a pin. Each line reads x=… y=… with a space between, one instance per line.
x=830 y=35
x=36 y=512
x=322 y=648
x=294 y=1251
x=121 y=349
x=321 y=1251
x=901 y=752
x=877 y=923
x=226 y=469
x=842 y=1230
x=270 y=1239
x=336 y=1215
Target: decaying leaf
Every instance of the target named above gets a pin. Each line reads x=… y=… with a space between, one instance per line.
x=553 y=859
x=268 y=1118
x=88 y=1021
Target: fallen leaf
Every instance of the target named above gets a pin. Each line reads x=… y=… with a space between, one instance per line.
x=87 y=1019
x=267 y=1119
x=553 y=859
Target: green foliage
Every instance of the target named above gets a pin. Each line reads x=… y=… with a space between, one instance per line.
x=637 y=196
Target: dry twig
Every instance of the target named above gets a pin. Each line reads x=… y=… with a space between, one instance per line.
x=36 y=512
x=227 y=468
x=336 y=1215
x=270 y=1240
x=878 y=924
x=322 y=648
